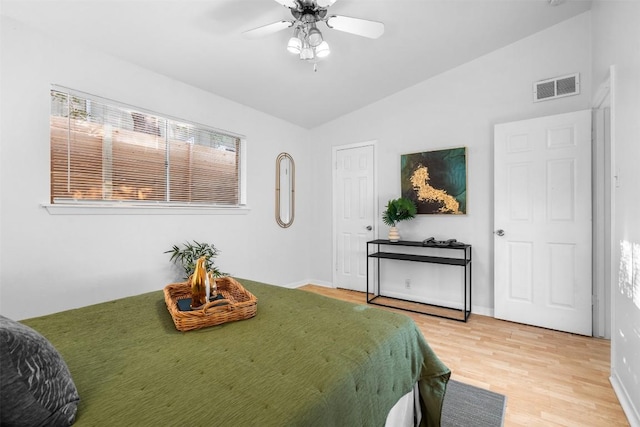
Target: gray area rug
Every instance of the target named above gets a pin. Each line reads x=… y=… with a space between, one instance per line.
x=465 y=405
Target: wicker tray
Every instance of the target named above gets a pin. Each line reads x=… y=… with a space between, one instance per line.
x=238 y=304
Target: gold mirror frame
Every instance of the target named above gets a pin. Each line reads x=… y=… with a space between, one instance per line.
x=285 y=190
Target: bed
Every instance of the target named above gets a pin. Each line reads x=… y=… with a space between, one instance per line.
x=303 y=360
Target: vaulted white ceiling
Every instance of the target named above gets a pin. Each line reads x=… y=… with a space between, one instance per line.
x=199 y=42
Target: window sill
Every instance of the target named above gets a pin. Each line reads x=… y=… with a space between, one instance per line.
x=125 y=209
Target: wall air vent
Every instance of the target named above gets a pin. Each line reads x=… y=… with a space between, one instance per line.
x=557 y=87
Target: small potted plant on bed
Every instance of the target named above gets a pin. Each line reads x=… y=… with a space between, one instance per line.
x=188 y=254
x=397 y=210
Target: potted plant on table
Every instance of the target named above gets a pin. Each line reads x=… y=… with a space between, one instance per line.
x=397 y=210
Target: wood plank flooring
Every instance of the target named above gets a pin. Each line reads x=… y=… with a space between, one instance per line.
x=550 y=378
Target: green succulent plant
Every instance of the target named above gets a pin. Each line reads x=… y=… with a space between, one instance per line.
x=188 y=254
x=401 y=209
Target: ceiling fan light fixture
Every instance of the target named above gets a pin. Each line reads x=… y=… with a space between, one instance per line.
x=322 y=51
x=307 y=52
x=307 y=41
x=294 y=45
x=314 y=36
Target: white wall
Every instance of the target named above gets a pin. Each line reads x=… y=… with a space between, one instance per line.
x=54 y=262
x=457 y=108
x=616 y=41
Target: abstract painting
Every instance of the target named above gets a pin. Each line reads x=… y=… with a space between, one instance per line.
x=436 y=180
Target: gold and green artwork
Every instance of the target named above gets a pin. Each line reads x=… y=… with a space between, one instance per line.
x=436 y=180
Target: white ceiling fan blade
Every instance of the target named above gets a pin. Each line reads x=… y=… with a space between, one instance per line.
x=360 y=27
x=291 y=4
x=266 y=30
x=324 y=3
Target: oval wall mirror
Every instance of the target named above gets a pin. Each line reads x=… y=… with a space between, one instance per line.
x=285 y=190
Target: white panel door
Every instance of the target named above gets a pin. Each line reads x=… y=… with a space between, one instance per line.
x=354 y=206
x=542 y=220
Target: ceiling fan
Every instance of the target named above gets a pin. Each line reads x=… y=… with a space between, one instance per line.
x=307 y=40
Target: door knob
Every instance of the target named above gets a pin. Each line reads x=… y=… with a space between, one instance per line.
x=369 y=227
x=500 y=232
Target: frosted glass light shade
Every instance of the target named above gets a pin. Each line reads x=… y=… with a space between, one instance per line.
x=323 y=50
x=315 y=37
x=307 y=53
x=294 y=45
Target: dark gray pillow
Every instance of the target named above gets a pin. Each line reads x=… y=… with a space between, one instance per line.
x=36 y=388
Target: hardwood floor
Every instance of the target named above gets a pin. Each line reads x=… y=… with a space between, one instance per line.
x=550 y=378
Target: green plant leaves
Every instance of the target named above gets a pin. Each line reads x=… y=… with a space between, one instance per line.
x=188 y=254
x=401 y=209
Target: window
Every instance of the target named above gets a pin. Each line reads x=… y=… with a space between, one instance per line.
x=105 y=152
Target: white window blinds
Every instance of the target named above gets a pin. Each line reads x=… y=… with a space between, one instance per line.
x=102 y=151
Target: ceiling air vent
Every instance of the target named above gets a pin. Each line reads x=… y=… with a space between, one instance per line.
x=556 y=87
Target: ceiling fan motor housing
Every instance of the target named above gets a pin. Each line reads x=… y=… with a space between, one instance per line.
x=308 y=4
x=308 y=12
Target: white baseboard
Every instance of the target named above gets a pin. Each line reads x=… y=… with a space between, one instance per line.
x=625 y=401
x=482 y=311
x=309 y=282
x=294 y=285
x=321 y=283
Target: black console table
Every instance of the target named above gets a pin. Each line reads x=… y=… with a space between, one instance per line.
x=461 y=257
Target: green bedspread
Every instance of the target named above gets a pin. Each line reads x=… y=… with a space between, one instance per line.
x=304 y=360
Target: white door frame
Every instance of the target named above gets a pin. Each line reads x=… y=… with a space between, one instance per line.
x=602 y=229
x=334 y=153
